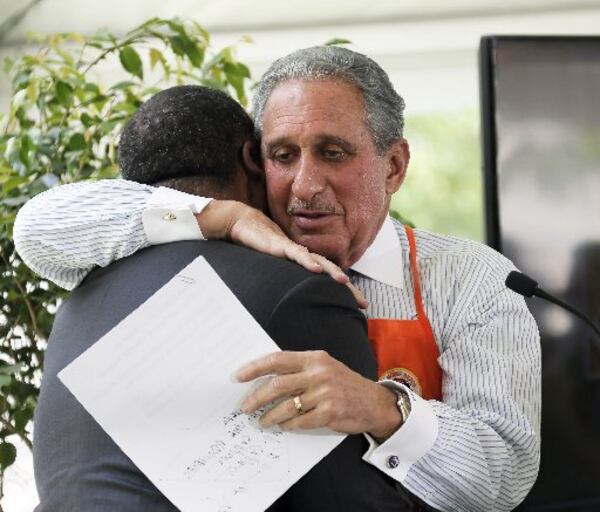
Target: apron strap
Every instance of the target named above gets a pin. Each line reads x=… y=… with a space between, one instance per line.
x=415 y=273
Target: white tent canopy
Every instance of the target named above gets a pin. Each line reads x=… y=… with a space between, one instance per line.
x=420 y=44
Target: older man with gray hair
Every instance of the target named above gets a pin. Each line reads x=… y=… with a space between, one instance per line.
x=454 y=418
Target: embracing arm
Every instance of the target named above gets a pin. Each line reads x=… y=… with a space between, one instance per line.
x=68 y=230
x=63 y=233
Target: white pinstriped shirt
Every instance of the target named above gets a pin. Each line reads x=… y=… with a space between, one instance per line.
x=478 y=450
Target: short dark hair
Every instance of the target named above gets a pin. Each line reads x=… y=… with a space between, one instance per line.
x=185 y=131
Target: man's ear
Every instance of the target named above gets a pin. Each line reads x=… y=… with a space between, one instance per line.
x=398 y=157
x=249 y=160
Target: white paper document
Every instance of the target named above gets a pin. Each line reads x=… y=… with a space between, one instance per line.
x=160 y=384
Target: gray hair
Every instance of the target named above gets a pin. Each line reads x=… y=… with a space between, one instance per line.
x=384 y=107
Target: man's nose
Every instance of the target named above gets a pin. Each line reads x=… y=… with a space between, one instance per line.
x=308 y=180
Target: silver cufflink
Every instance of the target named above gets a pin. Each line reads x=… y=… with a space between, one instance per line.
x=170 y=216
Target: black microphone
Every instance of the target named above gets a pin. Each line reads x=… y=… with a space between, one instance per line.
x=528 y=287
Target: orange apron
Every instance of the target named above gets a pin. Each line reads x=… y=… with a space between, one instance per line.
x=406 y=350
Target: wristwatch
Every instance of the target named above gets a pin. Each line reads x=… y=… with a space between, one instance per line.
x=403 y=402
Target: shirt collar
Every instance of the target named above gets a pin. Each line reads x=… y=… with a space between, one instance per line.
x=382 y=260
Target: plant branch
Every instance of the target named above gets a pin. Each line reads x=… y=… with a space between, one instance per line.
x=23 y=295
x=12 y=431
x=107 y=51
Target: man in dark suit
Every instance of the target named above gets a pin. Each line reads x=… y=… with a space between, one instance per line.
x=199 y=141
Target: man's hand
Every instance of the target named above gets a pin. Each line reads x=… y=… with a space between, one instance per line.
x=244 y=225
x=331 y=394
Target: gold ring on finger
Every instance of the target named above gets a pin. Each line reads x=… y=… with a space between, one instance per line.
x=298 y=405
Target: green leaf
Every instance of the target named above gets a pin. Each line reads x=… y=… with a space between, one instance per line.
x=19 y=99
x=125 y=107
x=195 y=53
x=338 y=41
x=213 y=82
x=106 y=172
x=66 y=56
x=64 y=93
x=11 y=369
x=8 y=454
x=237 y=69
x=202 y=31
x=103 y=35
x=4 y=380
x=21 y=419
x=223 y=56
x=91 y=87
x=107 y=126
x=176 y=25
x=122 y=85
x=99 y=101
x=10 y=184
x=26 y=146
x=238 y=86
x=155 y=57
x=131 y=61
x=86 y=120
x=77 y=142
x=21 y=80
x=178 y=45
x=183 y=46
x=146 y=25
x=237 y=82
x=32 y=92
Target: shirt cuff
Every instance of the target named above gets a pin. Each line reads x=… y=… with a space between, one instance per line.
x=409 y=443
x=169 y=216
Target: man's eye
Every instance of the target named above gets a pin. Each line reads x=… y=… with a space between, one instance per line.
x=333 y=154
x=282 y=156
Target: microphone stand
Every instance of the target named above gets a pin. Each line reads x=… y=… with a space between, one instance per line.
x=550 y=298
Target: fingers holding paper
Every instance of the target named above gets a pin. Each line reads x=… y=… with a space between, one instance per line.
x=314 y=390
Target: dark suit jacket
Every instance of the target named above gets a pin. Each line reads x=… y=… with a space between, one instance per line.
x=78 y=466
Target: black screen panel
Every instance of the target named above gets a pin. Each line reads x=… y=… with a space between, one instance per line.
x=541 y=135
